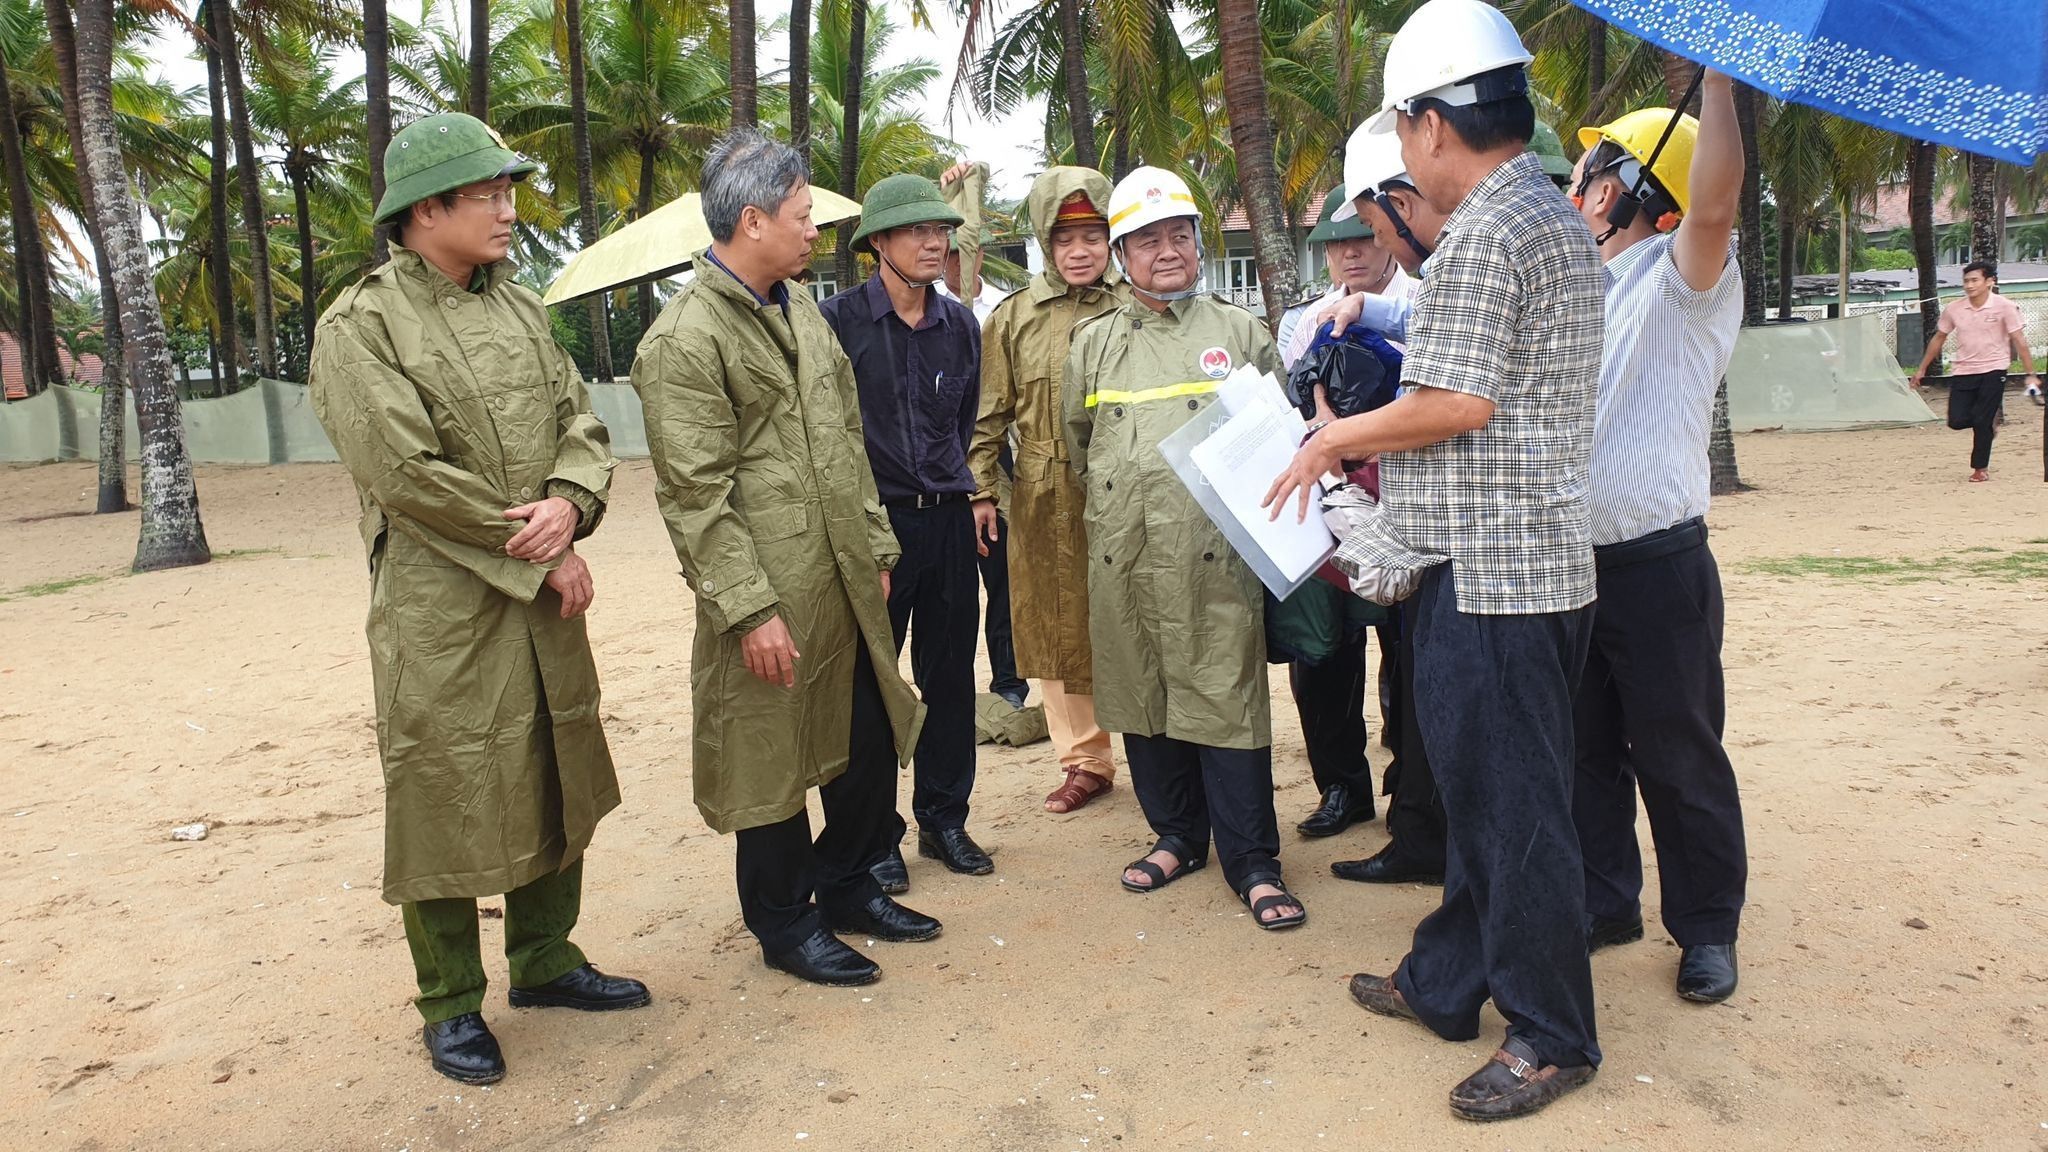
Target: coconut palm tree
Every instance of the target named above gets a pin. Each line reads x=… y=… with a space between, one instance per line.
x=586 y=188
x=745 y=84
x=31 y=268
x=800 y=75
x=479 y=87
x=227 y=37
x=172 y=533
x=377 y=96
x=1987 y=210
x=853 y=68
x=316 y=123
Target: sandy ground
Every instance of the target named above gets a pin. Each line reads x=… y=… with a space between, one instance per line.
x=251 y=991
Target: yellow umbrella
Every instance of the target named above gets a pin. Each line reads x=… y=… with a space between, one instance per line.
x=662 y=243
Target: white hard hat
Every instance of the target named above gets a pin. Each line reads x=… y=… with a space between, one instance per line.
x=1443 y=46
x=1372 y=160
x=1147 y=196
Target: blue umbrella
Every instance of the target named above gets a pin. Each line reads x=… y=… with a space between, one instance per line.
x=1972 y=74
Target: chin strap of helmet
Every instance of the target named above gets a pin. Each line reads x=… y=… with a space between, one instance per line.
x=1401 y=229
x=883 y=257
x=1187 y=293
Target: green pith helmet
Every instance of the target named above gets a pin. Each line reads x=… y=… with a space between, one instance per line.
x=1327 y=229
x=1549 y=149
x=898 y=202
x=440 y=154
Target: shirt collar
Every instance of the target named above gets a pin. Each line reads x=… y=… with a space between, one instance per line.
x=879 y=304
x=1628 y=259
x=778 y=293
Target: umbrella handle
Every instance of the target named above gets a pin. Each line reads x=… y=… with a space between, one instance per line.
x=1699 y=75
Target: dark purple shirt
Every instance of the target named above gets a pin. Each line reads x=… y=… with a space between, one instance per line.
x=919 y=387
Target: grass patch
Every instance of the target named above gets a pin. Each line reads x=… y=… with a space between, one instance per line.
x=1971 y=563
x=50 y=588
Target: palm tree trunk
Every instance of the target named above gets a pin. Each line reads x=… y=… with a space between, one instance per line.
x=1074 y=71
x=1251 y=137
x=1723 y=479
x=1985 y=208
x=250 y=171
x=1749 y=245
x=849 y=129
x=586 y=192
x=480 y=59
x=642 y=205
x=1788 y=227
x=1341 y=43
x=228 y=328
x=1920 y=213
x=745 y=84
x=113 y=470
x=309 y=284
x=800 y=77
x=377 y=93
x=39 y=328
x=172 y=533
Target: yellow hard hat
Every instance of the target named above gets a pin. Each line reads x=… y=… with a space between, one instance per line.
x=1638 y=132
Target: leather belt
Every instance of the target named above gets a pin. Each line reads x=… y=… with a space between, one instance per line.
x=1677 y=538
x=926 y=499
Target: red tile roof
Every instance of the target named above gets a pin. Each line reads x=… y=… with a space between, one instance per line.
x=86 y=369
x=1889 y=209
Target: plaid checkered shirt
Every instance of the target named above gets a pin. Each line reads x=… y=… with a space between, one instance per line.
x=1510 y=308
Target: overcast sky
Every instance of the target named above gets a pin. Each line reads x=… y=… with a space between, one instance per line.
x=1010 y=145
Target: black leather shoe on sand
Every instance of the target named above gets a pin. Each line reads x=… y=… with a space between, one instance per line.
x=464 y=1050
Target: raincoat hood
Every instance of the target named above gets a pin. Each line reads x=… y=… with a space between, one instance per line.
x=1051 y=188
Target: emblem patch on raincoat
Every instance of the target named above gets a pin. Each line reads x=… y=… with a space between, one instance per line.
x=1215 y=363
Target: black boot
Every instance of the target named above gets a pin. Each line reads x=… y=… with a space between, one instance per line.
x=464 y=1050
x=584 y=988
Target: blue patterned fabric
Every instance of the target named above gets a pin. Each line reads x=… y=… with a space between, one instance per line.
x=1973 y=76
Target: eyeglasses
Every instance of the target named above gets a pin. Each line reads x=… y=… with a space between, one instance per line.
x=928 y=232
x=503 y=198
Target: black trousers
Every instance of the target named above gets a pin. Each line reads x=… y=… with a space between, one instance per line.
x=1190 y=790
x=1649 y=716
x=1498 y=694
x=935 y=599
x=1330 y=697
x=1986 y=395
x=995 y=624
x=1390 y=708
x=1415 y=811
x=779 y=867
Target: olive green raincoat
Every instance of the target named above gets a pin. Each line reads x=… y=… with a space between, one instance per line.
x=762 y=476
x=1023 y=359
x=449 y=406
x=1177 y=619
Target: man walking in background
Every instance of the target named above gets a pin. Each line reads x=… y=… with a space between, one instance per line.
x=1989 y=334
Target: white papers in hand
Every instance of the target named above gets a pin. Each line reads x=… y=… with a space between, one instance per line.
x=1240 y=460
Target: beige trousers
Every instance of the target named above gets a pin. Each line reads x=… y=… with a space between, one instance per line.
x=1079 y=743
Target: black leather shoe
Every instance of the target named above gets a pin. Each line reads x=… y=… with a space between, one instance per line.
x=954 y=848
x=464 y=1050
x=823 y=958
x=1706 y=973
x=585 y=989
x=890 y=873
x=1514 y=1084
x=883 y=919
x=1340 y=810
x=1602 y=933
x=1384 y=867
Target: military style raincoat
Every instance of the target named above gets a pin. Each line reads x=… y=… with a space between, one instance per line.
x=1177 y=620
x=1023 y=360
x=762 y=477
x=448 y=406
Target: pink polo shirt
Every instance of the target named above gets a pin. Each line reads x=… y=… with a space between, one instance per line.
x=1980 y=338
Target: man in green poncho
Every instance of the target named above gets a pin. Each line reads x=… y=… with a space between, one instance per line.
x=477 y=460
x=763 y=481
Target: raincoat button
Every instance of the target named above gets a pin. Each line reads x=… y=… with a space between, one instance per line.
x=451 y=301
x=1109 y=559
x=708 y=589
x=1191 y=405
x=526 y=493
x=1208 y=555
x=1109 y=485
x=1117 y=412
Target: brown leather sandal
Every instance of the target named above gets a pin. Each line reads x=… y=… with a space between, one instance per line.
x=1073 y=795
